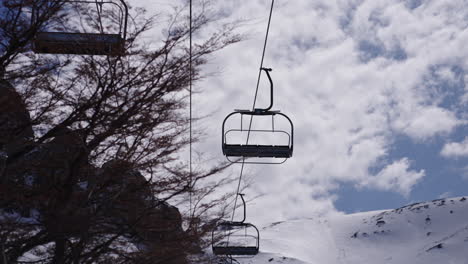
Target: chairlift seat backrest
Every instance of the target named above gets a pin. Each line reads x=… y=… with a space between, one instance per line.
x=79 y=43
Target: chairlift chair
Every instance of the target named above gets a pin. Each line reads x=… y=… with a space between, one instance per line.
x=284 y=150
x=85 y=43
x=228 y=247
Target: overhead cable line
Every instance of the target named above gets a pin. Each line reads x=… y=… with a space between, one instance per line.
x=190 y=106
x=253 y=106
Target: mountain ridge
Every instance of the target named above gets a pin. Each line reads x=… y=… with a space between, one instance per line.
x=426 y=232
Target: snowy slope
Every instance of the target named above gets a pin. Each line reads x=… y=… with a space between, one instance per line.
x=433 y=232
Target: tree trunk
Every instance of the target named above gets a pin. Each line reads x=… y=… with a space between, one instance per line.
x=59 y=256
x=3 y=258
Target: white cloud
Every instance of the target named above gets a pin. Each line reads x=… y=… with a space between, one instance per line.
x=396 y=176
x=455 y=149
x=346 y=110
x=446 y=74
x=445 y=195
x=425 y=121
x=352 y=75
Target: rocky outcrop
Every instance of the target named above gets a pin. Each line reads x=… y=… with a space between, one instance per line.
x=15 y=122
x=70 y=196
x=51 y=164
x=157 y=224
x=47 y=177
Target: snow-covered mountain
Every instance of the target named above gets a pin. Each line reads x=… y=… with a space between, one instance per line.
x=433 y=232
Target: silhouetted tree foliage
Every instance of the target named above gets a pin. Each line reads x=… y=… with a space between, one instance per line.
x=90 y=144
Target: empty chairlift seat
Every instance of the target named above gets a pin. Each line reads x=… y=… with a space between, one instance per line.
x=237 y=243
x=231 y=238
x=87 y=43
x=251 y=149
x=235 y=239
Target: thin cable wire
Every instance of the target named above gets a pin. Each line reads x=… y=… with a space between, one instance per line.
x=190 y=106
x=99 y=11
x=253 y=106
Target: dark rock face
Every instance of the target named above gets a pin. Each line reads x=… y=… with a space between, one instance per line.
x=51 y=164
x=438 y=246
x=56 y=180
x=157 y=224
x=15 y=122
x=47 y=176
x=56 y=161
x=61 y=163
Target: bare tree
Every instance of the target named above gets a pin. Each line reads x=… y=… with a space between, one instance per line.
x=90 y=144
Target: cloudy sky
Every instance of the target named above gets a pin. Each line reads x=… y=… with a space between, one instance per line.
x=376 y=90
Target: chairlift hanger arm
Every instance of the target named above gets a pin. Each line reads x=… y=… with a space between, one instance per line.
x=267 y=71
x=243 y=202
x=240 y=223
